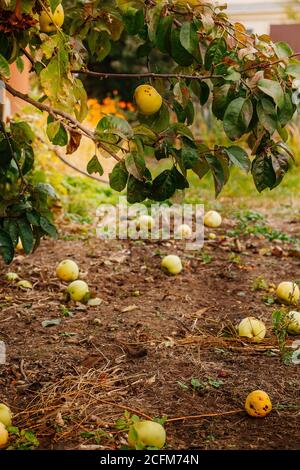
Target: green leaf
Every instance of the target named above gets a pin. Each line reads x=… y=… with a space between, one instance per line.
x=178 y=52
x=137 y=191
x=237 y=118
x=159 y=121
x=133 y=21
x=6 y=247
x=144 y=131
x=118 y=177
x=48 y=227
x=163 y=34
x=293 y=70
x=215 y=53
x=10 y=226
x=135 y=165
x=180 y=181
x=282 y=49
x=163 y=186
x=273 y=89
x=267 y=115
x=94 y=166
x=53 y=4
x=28 y=159
x=201 y=167
x=4 y=67
x=20 y=64
x=26 y=235
x=286 y=113
x=57 y=133
x=263 y=172
x=183 y=130
x=190 y=41
x=22 y=132
x=46 y=189
x=220 y=100
x=189 y=156
x=238 y=157
x=217 y=170
x=113 y=125
x=280 y=164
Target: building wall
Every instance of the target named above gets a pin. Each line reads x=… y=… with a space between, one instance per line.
x=258 y=15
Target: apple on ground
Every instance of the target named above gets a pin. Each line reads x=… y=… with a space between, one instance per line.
x=146 y=433
x=258 y=404
x=171 y=264
x=77 y=290
x=288 y=292
x=5 y=415
x=212 y=219
x=67 y=270
x=293 y=325
x=184 y=231
x=145 y=222
x=252 y=328
x=3 y=436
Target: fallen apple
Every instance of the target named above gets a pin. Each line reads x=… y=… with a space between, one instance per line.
x=184 y=232
x=19 y=245
x=49 y=22
x=212 y=236
x=3 y=436
x=212 y=219
x=11 y=277
x=171 y=264
x=288 y=292
x=77 y=290
x=252 y=328
x=5 y=415
x=148 y=100
x=293 y=326
x=145 y=222
x=67 y=270
x=146 y=434
x=24 y=284
x=258 y=404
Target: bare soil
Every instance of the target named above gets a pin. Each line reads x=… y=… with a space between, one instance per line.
x=149 y=337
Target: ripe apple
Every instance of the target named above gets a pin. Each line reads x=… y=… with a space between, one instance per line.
x=288 y=292
x=258 y=404
x=5 y=415
x=67 y=270
x=212 y=219
x=252 y=328
x=24 y=284
x=293 y=326
x=77 y=290
x=148 y=100
x=147 y=434
x=49 y=22
x=145 y=222
x=212 y=236
x=11 y=277
x=3 y=436
x=19 y=245
x=184 y=231
x=171 y=264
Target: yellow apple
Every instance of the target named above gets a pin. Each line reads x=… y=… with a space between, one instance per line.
x=5 y=415
x=171 y=264
x=293 y=326
x=148 y=100
x=19 y=245
x=67 y=270
x=25 y=284
x=252 y=328
x=184 y=231
x=258 y=404
x=3 y=436
x=11 y=277
x=49 y=22
x=145 y=222
x=212 y=219
x=77 y=290
x=288 y=292
x=212 y=236
x=147 y=434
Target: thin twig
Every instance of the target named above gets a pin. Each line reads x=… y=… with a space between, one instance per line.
x=146 y=75
x=59 y=155
x=206 y=415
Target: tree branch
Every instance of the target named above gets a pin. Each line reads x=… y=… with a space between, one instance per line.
x=57 y=112
x=145 y=75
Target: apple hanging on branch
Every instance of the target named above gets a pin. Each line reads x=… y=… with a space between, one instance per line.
x=250 y=83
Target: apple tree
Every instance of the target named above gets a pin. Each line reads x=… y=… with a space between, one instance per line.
x=251 y=84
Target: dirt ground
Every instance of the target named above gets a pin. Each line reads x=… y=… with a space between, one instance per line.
x=156 y=345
